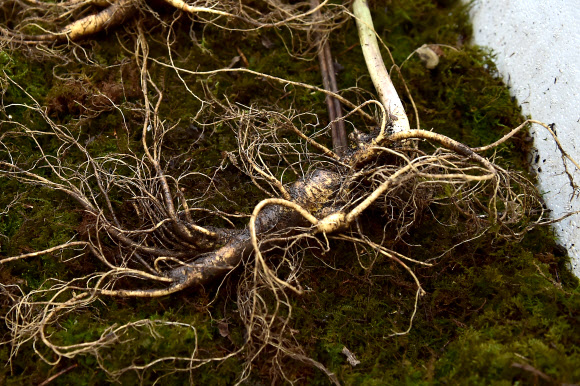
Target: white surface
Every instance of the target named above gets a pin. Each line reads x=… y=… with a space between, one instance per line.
x=537 y=44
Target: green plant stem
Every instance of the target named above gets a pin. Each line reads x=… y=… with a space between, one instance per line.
x=376 y=67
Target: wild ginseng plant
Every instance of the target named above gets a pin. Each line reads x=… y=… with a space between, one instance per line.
x=171 y=241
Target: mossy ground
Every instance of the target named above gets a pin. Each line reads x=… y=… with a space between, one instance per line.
x=495 y=311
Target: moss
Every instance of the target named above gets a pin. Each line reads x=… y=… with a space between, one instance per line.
x=496 y=311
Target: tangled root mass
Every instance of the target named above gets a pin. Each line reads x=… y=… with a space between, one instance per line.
x=313 y=196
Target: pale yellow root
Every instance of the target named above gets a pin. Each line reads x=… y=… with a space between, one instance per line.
x=183 y=6
x=110 y=16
